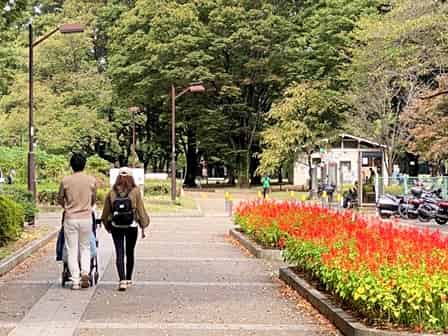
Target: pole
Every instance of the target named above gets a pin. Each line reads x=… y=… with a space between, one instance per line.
x=31 y=159
x=133 y=129
x=173 y=143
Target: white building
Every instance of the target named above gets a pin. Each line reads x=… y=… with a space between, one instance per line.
x=345 y=161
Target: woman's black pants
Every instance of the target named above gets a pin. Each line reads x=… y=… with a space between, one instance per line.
x=125 y=239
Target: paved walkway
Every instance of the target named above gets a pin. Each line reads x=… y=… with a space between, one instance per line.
x=189 y=280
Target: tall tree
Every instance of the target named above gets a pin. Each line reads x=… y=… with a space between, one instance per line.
x=397 y=55
x=70 y=94
x=236 y=47
x=308 y=114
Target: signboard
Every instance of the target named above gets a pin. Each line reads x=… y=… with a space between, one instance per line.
x=137 y=173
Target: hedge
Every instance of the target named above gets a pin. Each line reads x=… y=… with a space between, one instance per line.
x=19 y=194
x=11 y=220
x=160 y=187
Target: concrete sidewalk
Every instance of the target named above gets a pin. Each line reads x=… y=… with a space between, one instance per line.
x=189 y=280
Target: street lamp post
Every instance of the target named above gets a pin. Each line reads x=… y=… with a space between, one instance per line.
x=133 y=110
x=64 y=29
x=193 y=88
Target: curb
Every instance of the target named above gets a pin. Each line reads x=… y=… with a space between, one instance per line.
x=256 y=250
x=12 y=261
x=345 y=322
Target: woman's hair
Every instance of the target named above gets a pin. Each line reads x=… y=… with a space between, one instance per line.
x=124 y=184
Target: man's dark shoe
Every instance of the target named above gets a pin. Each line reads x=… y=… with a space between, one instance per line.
x=85 y=281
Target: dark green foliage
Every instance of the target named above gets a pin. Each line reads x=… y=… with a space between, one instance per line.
x=50 y=167
x=11 y=220
x=159 y=188
x=97 y=165
x=20 y=195
x=48 y=195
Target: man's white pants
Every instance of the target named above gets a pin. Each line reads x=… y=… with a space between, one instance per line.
x=77 y=242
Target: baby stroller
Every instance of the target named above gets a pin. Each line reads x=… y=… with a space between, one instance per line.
x=61 y=254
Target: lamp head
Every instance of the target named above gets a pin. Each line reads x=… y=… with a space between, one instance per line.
x=197 y=88
x=71 y=28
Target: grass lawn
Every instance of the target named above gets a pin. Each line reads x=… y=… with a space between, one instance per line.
x=28 y=236
x=285 y=196
x=163 y=204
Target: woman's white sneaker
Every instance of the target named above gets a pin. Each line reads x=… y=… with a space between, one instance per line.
x=122 y=286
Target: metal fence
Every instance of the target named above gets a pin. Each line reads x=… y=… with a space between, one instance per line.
x=402 y=185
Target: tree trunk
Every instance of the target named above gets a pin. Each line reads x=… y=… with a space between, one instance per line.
x=192 y=160
x=243 y=173
x=280 y=178
x=232 y=178
x=310 y=172
x=255 y=179
x=389 y=157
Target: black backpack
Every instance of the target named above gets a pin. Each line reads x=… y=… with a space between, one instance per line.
x=122 y=212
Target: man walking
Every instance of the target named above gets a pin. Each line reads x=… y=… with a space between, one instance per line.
x=266 y=181
x=77 y=196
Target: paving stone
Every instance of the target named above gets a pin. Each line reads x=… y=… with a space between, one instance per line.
x=203 y=304
x=168 y=332
x=189 y=281
x=185 y=225
x=187 y=236
x=5 y=331
x=194 y=251
x=196 y=271
x=16 y=300
x=47 y=268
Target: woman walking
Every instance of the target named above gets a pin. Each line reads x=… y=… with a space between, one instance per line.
x=123 y=212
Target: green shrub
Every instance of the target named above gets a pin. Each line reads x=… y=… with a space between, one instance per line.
x=101 y=196
x=395 y=189
x=11 y=220
x=49 y=167
x=160 y=187
x=48 y=194
x=368 y=188
x=96 y=165
x=19 y=194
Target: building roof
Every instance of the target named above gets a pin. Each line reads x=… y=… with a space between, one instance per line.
x=349 y=136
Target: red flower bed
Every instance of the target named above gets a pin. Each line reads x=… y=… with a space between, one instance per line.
x=385 y=272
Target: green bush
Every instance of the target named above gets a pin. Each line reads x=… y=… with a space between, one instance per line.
x=160 y=187
x=49 y=167
x=368 y=188
x=19 y=194
x=395 y=189
x=96 y=165
x=48 y=194
x=11 y=220
x=101 y=196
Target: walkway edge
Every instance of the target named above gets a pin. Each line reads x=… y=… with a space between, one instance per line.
x=256 y=250
x=12 y=261
x=345 y=322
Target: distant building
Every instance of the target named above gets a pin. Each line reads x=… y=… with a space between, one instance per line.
x=345 y=161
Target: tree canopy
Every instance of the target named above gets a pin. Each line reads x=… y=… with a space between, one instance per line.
x=279 y=76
